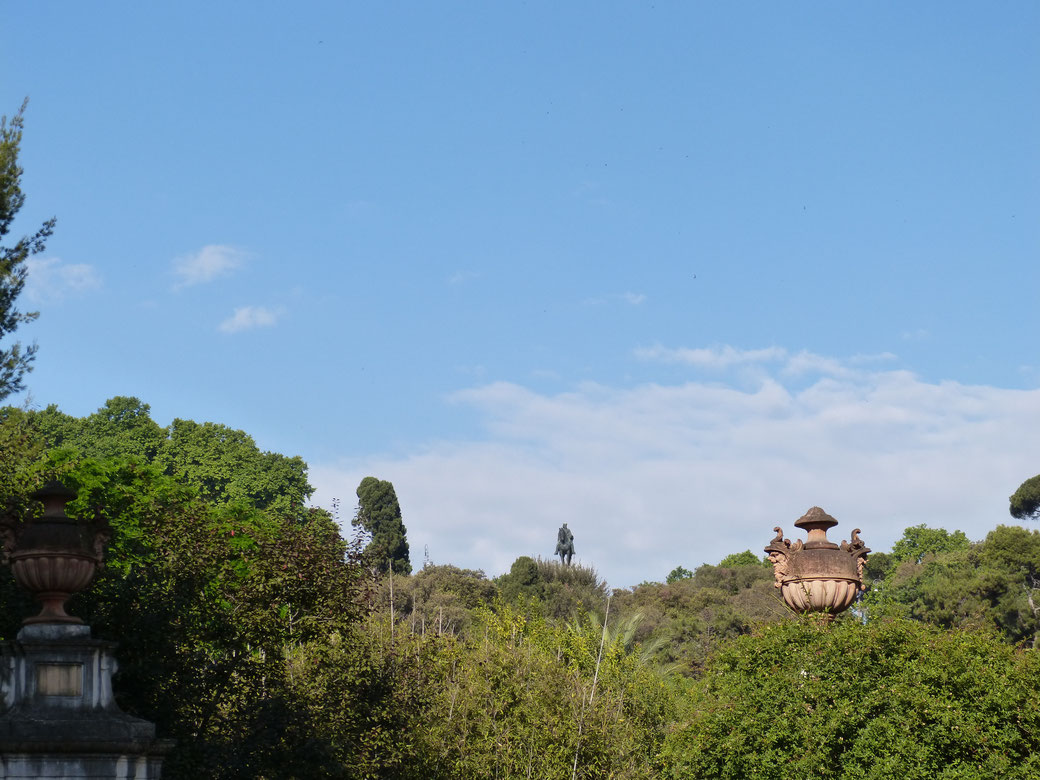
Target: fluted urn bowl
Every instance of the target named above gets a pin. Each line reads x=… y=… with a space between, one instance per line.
x=55 y=556
x=817 y=575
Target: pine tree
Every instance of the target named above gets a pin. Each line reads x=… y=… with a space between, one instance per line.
x=15 y=361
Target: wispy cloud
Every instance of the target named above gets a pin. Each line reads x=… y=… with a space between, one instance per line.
x=462 y=276
x=52 y=280
x=660 y=475
x=631 y=298
x=712 y=357
x=251 y=318
x=211 y=262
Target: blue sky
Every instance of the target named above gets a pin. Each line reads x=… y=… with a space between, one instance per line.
x=672 y=272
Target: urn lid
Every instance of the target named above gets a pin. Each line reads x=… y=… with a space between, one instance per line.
x=54 y=496
x=816 y=522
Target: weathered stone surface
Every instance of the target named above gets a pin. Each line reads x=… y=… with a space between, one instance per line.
x=817 y=575
x=106 y=766
x=59 y=717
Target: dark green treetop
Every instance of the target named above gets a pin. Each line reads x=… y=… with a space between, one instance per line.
x=678 y=573
x=379 y=514
x=1025 y=502
x=15 y=361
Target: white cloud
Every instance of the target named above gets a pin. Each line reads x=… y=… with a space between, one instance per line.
x=633 y=298
x=658 y=476
x=250 y=318
x=53 y=280
x=712 y=357
x=209 y=263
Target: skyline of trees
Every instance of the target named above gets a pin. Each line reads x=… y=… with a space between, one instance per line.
x=252 y=632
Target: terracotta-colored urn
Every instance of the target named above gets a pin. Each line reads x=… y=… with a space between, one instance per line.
x=817 y=575
x=54 y=556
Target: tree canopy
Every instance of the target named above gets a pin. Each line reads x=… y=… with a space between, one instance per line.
x=222 y=464
x=1025 y=502
x=889 y=699
x=919 y=541
x=379 y=514
x=15 y=360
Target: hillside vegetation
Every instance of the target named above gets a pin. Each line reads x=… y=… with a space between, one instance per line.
x=270 y=646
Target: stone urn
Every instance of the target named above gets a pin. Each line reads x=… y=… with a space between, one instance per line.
x=54 y=556
x=817 y=575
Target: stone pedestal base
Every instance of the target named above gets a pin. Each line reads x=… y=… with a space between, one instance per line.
x=59 y=718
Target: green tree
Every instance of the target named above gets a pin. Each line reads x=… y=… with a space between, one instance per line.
x=440 y=599
x=15 y=361
x=240 y=624
x=891 y=699
x=122 y=427
x=222 y=464
x=225 y=465
x=228 y=618
x=678 y=573
x=522 y=582
x=1025 y=502
x=379 y=515
x=992 y=584
x=521 y=696
x=746 y=558
x=918 y=541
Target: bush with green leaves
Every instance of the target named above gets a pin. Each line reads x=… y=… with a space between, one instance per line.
x=890 y=700
x=555 y=590
x=437 y=598
x=521 y=696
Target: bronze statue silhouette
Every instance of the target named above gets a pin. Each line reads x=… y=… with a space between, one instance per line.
x=565 y=545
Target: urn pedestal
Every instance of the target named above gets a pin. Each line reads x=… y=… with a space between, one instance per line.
x=817 y=575
x=58 y=717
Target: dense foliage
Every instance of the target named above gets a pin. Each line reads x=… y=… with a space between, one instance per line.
x=225 y=611
x=379 y=515
x=889 y=699
x=686 y=620
x=992 y=584
x=269 y=646
x=219 y=464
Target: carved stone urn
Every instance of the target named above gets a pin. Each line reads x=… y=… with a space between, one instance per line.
x=54 y=556
x=817 y=575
